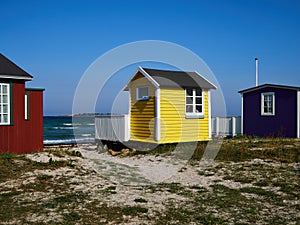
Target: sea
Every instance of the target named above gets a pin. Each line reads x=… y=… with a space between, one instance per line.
x=69 y=130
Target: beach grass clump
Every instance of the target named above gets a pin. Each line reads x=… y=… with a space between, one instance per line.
x=246 y=148
x=7 y=157
x=140 y=200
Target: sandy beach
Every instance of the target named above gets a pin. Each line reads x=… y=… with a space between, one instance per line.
x=79 y=185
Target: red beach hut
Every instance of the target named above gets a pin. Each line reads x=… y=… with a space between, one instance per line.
x=21 y=111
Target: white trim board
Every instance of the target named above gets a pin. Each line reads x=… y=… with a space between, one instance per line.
x=298 y=114
x=155 y=84
x=145 y=74
x=209 y=116
x=242 y=115
x=15 y=77
x=157 y=114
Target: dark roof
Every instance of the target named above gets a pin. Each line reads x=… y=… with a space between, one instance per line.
x=269 y=85
x=168 y=78
x=10 y=70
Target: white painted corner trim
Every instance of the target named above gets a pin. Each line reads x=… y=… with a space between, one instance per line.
x=209 y=115
x=242 y=115
x=298 y=114
x=157 y=114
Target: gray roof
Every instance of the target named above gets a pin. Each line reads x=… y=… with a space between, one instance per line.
x=171 y=79
x=269 y=85
x=9 y=70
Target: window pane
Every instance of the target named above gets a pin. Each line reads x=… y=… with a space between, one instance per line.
x=198 y=92
x=198 y=100
x=198 y=109
x=142 y=92
x=4 y=89
x=5 y=99
x=5 y=108
x=189 y=108
x=5 y=118
x=189 y=92
x=189 y=100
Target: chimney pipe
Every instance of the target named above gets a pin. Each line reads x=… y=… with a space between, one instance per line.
x=256 y=72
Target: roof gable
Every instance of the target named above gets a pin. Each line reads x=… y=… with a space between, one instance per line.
x=173 y=79
x=10 y=70
x=269 y=85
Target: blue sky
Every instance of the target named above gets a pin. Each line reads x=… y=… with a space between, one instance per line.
x=56 y=41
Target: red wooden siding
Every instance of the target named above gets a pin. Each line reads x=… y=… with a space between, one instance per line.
x=23 y=136
x=34 y=126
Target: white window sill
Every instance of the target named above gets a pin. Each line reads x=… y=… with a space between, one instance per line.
x=265 y=114
x=194 y=116
x=143 y=99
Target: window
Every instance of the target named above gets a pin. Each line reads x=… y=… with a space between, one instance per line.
x=194 y=103
x=4 y=104
x=268 y=104
x=142 y=93
x=27 y=108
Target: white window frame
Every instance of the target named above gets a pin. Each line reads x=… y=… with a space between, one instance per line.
x=143 y=98
x=194 y=114
x=27 y=109
x=2 y=104
x=263 y=113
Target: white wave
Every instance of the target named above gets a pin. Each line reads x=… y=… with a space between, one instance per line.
x=67 y=124
x=65 y=128
x=72 y=124
x=69 y=141
x=86 y=135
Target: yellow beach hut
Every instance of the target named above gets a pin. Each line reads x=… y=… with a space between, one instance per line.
x=164 y=107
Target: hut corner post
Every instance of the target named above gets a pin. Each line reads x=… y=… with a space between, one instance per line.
x=242 y=115
x=209 y=117
x=298 y=114
x=157 y=115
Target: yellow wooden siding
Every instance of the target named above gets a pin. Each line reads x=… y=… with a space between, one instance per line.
x=175 y=127
x=142 y=113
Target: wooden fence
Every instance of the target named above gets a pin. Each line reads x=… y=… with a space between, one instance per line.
x=112 y=127
x=226 y=126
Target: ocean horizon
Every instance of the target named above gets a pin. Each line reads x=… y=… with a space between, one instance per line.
x=65 y=130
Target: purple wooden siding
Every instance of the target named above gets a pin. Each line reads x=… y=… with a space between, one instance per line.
x=283 y=123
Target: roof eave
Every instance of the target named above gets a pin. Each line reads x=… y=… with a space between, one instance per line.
x=269 y=85
x=213 y=86
x=148 y=77
x=16 y=77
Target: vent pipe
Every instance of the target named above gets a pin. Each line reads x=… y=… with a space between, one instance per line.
x=256 y=72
